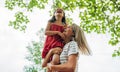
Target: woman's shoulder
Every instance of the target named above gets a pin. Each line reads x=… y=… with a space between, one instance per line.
x=72 y=42
x=73 y=48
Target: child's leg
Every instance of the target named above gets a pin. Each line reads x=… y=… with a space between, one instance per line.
x=44 y=63
x=55 y=59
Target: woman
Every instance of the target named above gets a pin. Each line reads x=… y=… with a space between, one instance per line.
x=75 y=43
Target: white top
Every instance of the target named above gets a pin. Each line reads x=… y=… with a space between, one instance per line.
x=68 y=49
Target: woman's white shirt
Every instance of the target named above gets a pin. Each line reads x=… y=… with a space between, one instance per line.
x=68 y=49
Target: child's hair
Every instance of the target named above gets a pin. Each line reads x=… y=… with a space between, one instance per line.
x=53 y=19
x=79 y=37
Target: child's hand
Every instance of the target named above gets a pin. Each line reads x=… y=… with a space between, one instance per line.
x=61 y=35
x=56 y=50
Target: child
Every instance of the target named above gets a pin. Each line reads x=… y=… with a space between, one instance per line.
x=54 y=38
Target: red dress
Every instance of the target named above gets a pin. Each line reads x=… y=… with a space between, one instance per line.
x=53 y=41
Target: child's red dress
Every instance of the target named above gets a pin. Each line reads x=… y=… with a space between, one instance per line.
x=53 y=41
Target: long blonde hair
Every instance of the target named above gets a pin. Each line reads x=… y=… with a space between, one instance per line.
x=79 y=37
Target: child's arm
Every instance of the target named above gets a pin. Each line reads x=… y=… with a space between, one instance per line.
x=50 y=53
x=48 y=32
x=61 y=35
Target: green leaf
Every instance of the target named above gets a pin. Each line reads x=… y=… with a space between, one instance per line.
x=114 y=55
x=20 y=21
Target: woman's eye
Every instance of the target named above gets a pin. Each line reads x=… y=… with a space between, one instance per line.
x=68 y=27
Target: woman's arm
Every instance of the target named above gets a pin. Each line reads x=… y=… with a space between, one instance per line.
x=69 y=66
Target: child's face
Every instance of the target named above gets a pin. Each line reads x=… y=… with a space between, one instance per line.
x=59 y=13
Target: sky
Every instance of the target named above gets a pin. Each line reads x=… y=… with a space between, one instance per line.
x=13 y=44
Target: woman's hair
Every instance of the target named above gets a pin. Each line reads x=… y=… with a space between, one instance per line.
x=53 y=19
x=79 y=37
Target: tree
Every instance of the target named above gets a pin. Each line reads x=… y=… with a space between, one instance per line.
x=100 y=16
x=34 y=54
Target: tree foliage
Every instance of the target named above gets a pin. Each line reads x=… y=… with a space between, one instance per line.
x=116 y=53
x=20 y=22
x=100 y=16
x=34 y=54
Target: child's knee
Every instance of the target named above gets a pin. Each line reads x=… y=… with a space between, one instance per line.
x=56 y=59
x=55 y=62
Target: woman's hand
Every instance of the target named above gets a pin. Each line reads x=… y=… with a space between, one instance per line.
x=56 y=50
x=49 y=66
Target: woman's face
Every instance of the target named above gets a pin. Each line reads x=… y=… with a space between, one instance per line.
x=59 y=13
x=68 y=32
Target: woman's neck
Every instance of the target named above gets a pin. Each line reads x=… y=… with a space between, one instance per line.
x=68 y=39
